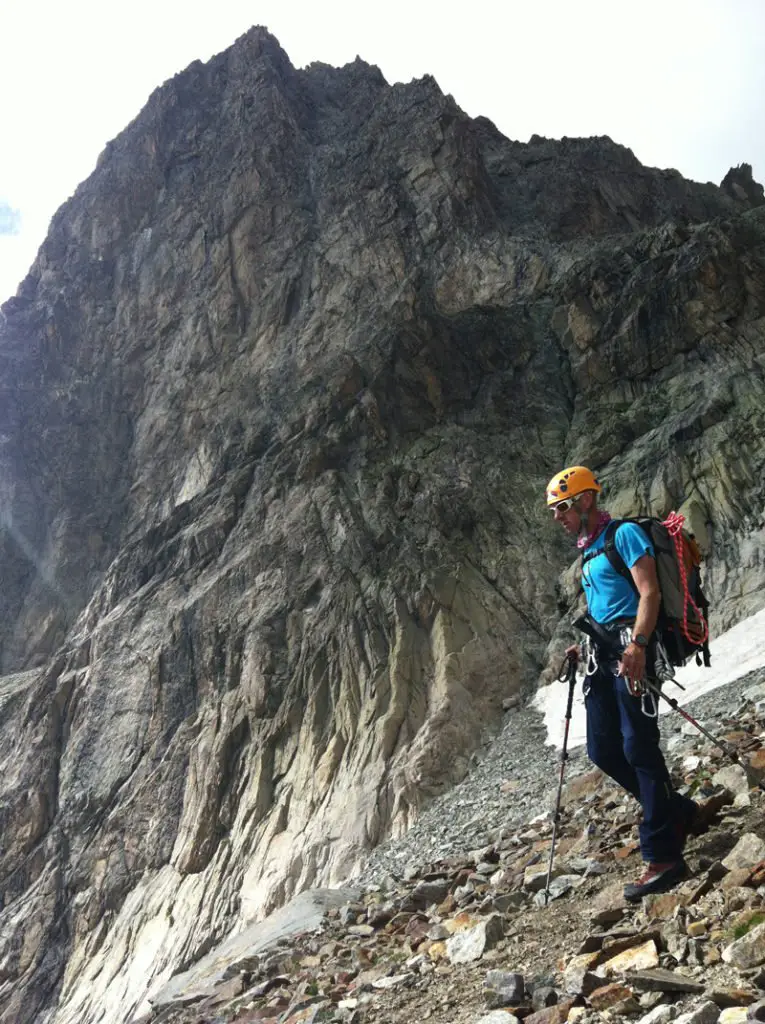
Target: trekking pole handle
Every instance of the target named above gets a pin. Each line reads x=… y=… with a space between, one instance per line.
x=568 y=666
x=570 y=701
x=567 y=674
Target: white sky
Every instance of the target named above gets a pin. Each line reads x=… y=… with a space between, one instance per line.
x=681 y=82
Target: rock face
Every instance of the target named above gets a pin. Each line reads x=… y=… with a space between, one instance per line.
x=282 y=391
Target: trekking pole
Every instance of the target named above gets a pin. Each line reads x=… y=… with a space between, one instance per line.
x=727 y=748
x=567 y=674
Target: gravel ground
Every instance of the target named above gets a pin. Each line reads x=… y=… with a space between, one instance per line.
x=515 y=779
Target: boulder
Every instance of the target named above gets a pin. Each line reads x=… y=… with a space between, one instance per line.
x=746 y=853
x=748 y=951
x=503 y=988
x=470 y=945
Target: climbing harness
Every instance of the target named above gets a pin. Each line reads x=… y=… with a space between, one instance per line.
x=598 y=639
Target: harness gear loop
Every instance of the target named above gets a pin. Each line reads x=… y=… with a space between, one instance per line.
x=635 y=687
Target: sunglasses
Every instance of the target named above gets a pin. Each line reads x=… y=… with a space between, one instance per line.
x=565 y=505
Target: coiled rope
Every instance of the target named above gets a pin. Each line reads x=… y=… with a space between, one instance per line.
x=674 y=524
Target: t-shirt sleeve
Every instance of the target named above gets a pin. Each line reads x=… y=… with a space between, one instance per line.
x=632 y=543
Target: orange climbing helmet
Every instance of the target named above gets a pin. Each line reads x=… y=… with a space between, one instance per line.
x=570 y=482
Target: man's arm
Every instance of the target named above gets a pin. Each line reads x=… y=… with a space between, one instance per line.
x=647 y=583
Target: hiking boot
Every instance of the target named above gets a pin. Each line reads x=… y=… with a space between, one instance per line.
x=707 y=811
x=656 y=878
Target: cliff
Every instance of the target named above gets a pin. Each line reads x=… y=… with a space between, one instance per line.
x=281 y=394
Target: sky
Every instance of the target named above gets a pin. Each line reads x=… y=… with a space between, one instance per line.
x=681 y=82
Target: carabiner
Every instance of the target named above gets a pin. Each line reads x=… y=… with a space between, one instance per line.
x=634 y=686
x=645 y=701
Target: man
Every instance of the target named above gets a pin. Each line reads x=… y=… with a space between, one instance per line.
x=622 y=731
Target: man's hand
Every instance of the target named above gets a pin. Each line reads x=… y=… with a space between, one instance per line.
x=633 y=662
x=567 y=671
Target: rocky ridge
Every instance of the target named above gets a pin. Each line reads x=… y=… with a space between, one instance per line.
x=285 y=382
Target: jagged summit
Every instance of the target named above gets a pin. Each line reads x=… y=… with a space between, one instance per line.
x=252 y=92
x=283 y=387
x=740 y=184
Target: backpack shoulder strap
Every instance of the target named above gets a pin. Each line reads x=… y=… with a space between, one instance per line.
x=613 y=556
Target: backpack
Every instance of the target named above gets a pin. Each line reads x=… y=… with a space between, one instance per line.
x=683 y=613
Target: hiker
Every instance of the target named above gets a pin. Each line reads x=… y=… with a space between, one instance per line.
x=622 y=721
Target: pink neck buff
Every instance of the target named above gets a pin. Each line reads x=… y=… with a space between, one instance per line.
x=585 y=539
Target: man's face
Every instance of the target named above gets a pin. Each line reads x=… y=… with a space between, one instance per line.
x=568 y=514
x=572 y=512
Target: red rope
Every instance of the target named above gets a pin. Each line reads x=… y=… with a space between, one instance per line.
x=674 y=524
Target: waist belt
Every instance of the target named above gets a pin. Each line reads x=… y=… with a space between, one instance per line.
x=608 y=636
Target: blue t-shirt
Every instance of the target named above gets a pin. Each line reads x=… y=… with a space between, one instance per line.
x=609 y=595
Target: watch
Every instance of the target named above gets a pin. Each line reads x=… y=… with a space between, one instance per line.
x=640 y=639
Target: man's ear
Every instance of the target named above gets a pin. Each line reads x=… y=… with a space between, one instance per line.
x=587 y=501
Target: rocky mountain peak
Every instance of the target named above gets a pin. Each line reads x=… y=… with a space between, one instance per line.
x=285 y=384
x=740 y=185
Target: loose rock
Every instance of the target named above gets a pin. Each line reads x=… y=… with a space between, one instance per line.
x=748 y=951
x=467 y=946
x=503 y=988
